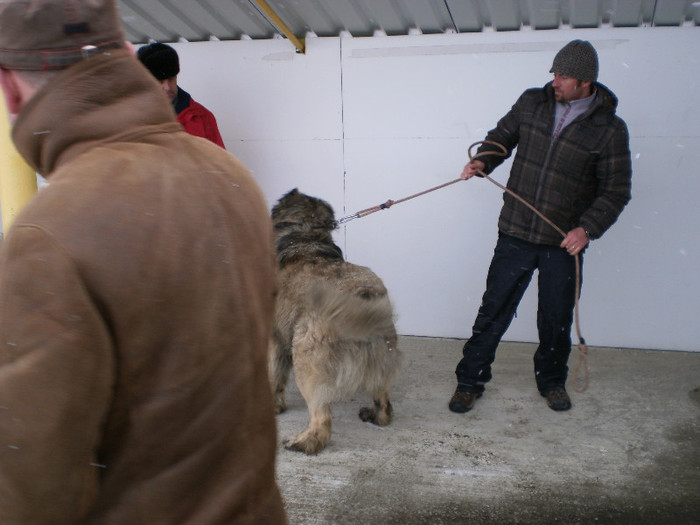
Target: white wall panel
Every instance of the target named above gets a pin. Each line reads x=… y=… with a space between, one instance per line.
x=358 y=121
x=264 y=90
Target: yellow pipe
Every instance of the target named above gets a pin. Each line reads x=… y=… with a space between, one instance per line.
x=17 y=179
x=277 y=21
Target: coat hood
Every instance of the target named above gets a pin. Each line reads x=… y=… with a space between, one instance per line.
x=94 y=100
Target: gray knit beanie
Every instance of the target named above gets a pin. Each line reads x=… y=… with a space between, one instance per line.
x=577 y=59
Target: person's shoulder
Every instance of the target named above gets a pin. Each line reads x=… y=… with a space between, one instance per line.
x=197 y=108
x=605 y=97
x=607 y=102
x=537 y=90
x=539 y=93
x=535 y=95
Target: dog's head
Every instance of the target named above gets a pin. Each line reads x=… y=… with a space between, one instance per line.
x=303 y=227
x=301 y=212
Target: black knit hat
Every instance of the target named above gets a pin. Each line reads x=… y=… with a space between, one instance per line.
x=577 y=59
x=160 y=59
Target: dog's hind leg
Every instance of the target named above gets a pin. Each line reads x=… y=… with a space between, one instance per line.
x=280 y=365
x=379 y=414
x=318 y=432
x=311 y=356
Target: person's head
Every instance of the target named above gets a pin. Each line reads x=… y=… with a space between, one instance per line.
x=41 y=37
x=163 y=63
x=575 y=69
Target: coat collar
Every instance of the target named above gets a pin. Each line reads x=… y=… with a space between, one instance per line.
x=182 y=100
x=604 y=100
x=602 y=109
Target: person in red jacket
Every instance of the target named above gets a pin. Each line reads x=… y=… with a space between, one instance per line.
x=164 y=64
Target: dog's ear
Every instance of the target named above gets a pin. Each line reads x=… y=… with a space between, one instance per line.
x=283 y=200
x=290 y=193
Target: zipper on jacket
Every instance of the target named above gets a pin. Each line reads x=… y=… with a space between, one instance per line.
x=553 y=140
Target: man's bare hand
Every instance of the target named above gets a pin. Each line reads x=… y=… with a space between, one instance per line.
x=472 y=169
x=575 y=241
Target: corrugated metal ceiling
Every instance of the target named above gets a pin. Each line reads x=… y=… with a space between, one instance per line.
x=197 y=20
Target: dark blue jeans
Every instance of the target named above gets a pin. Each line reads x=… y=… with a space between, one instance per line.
x=514 y=261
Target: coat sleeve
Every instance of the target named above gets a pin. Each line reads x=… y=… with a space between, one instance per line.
x=56 y=376
x=614 y=174
x=506 y=133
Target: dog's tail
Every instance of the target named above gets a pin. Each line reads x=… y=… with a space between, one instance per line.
x=364 y=315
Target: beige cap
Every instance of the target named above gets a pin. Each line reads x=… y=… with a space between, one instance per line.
x=54 y=34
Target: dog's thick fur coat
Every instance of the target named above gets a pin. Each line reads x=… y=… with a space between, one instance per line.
x=334 y=322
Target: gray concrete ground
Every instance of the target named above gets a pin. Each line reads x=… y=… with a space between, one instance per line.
x=628 y=452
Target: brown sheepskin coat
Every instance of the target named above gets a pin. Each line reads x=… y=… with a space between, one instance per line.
x=136 y=299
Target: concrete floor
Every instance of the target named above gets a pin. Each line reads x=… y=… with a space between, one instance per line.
x=628 y=452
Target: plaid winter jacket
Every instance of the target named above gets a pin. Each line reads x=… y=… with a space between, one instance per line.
x=582 y=178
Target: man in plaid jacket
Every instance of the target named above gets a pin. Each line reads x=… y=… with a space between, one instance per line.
x=573 y=165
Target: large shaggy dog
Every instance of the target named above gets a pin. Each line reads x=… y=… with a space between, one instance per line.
x=334 y=322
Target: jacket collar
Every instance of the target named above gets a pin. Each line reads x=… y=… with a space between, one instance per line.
x=602 y=108
x=91 y=102
x=182 y=100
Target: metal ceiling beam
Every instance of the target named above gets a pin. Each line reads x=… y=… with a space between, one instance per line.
x=279 y=24
x=295 y=20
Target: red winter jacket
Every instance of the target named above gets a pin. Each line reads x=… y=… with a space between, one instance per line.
x=196 y=119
